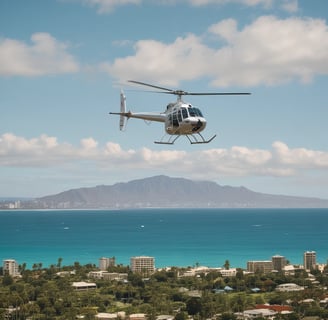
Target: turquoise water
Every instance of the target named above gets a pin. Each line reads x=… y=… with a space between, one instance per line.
x=175 y=237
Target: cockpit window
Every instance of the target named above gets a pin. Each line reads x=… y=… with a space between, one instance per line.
x=195 y=112
x=179 y=116
x=199 y=112
x=184 y=113
x=175 y=119
x=192 y=112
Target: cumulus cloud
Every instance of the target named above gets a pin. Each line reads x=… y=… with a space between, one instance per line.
x=268 y=51
x=299 y=157
x=106 y=6
x=185 y=58
x=272 y=50
x=278 y=161
x=44 y=55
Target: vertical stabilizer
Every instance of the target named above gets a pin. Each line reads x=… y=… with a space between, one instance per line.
x=123 y=110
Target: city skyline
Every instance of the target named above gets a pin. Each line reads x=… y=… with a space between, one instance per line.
x=63 y=63
x=148 y=264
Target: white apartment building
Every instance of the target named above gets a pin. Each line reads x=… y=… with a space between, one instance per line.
x=278 y=262
x=259 y=313
x=142 y=264
x=105 y=263
x=84 y=285
x=259 y=266
x=231 y=272
x=108 y=275
x=288 y=287
x=10 y=267
x=309 y=259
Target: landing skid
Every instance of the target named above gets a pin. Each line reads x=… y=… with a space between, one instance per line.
x=193 y=139
x=171 y=140
x=199 y=140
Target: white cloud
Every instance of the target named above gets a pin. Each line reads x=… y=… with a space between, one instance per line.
x=89 y=143
x=106 y=6
x=186 y=58
x=45 y=55
x=268 y=51
x=45 y=151
x=299 y=157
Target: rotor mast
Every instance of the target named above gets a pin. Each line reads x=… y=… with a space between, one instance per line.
x=179 y=93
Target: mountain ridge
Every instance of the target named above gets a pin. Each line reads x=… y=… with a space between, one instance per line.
x=168 y=192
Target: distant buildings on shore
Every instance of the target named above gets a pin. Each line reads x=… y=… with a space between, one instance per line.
x=279 y=263
x=145 y=265
x=309 y=260
x=10 y=267
x=259 y=266
x=142 y=264
x=11 y=204
x=105 y=263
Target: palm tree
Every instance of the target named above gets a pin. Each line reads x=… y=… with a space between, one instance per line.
x=226 y=265
x=22 y=268
x=59 y=262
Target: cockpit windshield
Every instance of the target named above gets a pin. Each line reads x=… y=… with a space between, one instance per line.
x=195 y=112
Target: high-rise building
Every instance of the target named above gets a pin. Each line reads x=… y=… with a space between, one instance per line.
x=278 y=262
x=142 y=264
x=309 y=259
x=105 y=263
x=10 y=267
x=259 y=266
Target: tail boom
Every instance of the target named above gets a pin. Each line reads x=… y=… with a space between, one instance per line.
x=148 y=116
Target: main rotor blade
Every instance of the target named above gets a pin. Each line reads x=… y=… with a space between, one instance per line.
x=184 y=93
x=215 y=93
x=150 y=85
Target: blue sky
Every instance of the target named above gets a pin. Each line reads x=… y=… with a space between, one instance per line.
x=62 y=64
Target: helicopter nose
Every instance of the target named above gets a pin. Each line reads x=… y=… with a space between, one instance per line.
x=198 y=125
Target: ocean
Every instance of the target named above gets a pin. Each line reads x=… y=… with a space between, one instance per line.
x=174 y=237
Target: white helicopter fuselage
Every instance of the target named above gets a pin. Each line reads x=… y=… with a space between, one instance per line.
x=179 y=118
x=183 y=119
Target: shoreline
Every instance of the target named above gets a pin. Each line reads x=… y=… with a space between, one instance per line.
x=174 y=237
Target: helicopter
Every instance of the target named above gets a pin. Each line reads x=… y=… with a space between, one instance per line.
x=180 y=118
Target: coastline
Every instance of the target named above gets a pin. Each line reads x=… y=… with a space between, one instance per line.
x=174 y=237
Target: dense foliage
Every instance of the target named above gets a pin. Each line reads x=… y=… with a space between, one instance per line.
x=41 y=293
